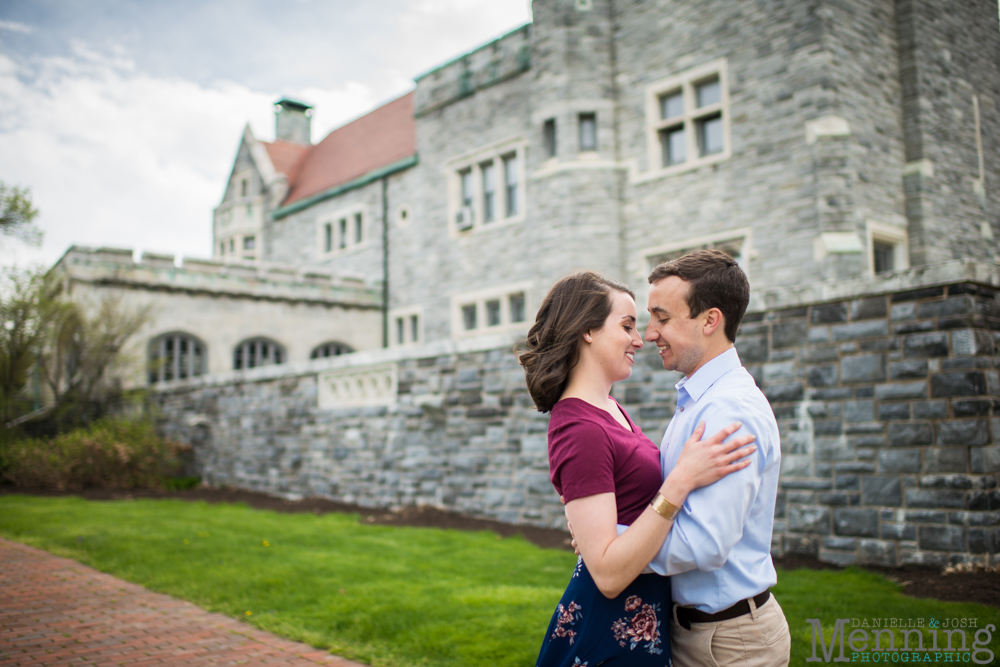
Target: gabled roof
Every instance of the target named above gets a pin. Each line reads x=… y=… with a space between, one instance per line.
x=285 y=156
x=378 y=139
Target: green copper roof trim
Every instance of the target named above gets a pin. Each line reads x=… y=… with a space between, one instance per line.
x=526 y=26
x=373 y=175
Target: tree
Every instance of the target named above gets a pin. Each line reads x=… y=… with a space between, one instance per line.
x=29 y=304
x=17 y=214
x=69 y=350
x=78 y=354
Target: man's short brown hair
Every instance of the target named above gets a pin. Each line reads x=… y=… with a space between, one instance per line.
x=715 y=281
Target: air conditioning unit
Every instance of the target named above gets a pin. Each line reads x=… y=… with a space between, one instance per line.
x=463 y=219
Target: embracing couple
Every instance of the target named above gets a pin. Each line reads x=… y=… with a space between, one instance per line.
x=674 y=542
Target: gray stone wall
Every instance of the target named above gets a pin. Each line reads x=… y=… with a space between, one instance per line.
x=949 y=53
x=886 y=408
x=886 y=393
x=462 y=434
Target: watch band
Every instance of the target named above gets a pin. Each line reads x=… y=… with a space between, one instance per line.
x=664 y=507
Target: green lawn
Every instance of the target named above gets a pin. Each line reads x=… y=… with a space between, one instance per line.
x=383 y=595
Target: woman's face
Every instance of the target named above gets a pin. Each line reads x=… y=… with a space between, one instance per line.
x=613 y=346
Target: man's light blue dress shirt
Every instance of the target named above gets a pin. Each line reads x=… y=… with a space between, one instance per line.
x=719 y=549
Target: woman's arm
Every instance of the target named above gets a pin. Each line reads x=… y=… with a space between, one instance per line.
x=615 y=561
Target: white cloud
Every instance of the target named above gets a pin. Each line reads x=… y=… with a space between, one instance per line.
x=14 y=26
x=117 y=157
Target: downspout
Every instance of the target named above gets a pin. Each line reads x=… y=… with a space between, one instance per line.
x=385 y=261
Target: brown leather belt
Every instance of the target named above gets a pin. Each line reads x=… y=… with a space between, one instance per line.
x=688 y=615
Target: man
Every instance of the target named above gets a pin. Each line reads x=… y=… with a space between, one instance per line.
x=718 y=551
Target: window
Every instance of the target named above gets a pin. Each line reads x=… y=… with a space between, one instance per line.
x=330 y=349
x=688 y=119
x=403 y=215
x=736 y=243
x=466 y=176
x=549 y=137
x=493 y=313
x=249 y=242
x=888 y=247
x=343 y=231
x=510 y=183
x=405 y=327
x=588 y=132
x=487 y=188
x=497 y=309
x=243 y=188
x=175 y=356
x=469 y=316
x=517 y=307
x=222 y=248
x=489 y=191
x=257 y=352
x=882 y=256
x=232 y=246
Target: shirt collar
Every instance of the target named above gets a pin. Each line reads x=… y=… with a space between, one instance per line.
x=696 y=385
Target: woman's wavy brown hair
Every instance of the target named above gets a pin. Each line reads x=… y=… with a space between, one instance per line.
x=575 y=305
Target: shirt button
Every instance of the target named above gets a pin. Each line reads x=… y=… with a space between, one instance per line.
x=682 y=409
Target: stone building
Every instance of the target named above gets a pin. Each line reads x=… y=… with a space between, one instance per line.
x=844 y=152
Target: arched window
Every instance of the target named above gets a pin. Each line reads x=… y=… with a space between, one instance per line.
x=257 y=352
x=330 y=349
x=175 y=356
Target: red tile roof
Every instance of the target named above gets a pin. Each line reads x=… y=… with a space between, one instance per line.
x=386 y=135
x=285 y=156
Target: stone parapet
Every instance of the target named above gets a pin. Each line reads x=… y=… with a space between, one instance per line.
x=116 y=267
x=504 y=57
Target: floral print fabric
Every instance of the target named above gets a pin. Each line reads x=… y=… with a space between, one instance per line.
x=588 y=629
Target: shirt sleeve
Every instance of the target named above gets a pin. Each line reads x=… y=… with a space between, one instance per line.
x=582 y=461
x=712 y=519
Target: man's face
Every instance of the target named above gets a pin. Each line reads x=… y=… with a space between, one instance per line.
x=678 y=337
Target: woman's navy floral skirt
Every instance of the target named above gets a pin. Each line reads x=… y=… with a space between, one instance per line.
x=588 y=629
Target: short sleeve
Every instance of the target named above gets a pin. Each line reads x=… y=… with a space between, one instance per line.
x=581 y=460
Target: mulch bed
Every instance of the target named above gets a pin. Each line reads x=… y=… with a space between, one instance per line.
x=980 y=587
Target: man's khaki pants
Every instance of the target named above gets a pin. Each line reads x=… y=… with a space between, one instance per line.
x=757 y=639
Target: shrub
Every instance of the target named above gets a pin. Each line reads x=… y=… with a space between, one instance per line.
x=110 y=453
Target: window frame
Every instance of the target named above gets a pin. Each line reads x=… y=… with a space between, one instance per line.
x=480 y=299
x=581 y=118
x=550 y=138
x=313 y=354
x=241 y=347
x=195 y=342
x=342 y=237
x=406 y=315
x=690 y=119
x=743 y=234
x=472 y=163
x=891 y=235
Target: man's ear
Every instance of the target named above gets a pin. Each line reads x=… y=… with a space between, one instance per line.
x=714 y=321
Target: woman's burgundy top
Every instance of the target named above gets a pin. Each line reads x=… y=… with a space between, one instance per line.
x=591 y=453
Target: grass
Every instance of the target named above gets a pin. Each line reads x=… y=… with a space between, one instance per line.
x=378 y=594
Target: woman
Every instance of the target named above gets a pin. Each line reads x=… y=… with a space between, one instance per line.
x=583 y=341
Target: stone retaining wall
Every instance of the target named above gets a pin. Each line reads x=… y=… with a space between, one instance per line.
x=888 y=405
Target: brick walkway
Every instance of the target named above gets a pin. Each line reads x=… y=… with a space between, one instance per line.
x=54 y=611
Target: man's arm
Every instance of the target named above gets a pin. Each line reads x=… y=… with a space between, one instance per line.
x=712 y=519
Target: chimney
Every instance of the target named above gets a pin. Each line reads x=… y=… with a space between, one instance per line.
x=292 y=121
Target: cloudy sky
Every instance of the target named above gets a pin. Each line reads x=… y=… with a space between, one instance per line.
x=123 y=116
